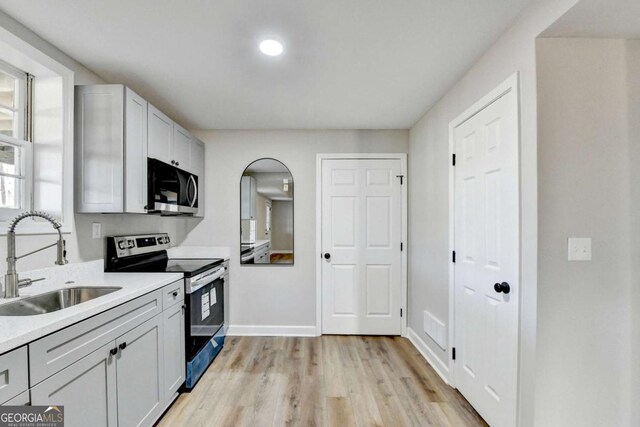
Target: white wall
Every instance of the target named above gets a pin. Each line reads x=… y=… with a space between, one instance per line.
x=583 y=363
x=270 y=295
x=80 y=245
x=428 y=185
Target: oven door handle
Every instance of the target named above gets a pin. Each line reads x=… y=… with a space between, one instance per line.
x=247 y=257
x=205 y=280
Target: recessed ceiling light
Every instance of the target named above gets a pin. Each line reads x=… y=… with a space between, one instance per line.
x=271 y=47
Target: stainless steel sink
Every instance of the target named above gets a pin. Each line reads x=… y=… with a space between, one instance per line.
x=53 y=301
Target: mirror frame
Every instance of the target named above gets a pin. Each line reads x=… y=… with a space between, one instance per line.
x=293 y=215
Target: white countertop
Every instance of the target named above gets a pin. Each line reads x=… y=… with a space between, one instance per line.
x=16 y=331
x=256 y=244
x=199 y=252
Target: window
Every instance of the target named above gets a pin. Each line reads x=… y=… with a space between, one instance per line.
x=15 y=145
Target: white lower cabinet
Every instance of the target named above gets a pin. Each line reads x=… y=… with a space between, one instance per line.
x=139 y=370
x=174 y=349
x=131 y=378
x=86 y=389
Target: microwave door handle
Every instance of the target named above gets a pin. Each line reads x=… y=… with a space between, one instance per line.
x=192 y=181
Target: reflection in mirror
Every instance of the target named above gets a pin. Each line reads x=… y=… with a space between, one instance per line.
x=266 y=214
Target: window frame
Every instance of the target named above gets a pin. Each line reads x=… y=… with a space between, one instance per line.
x=22 y=142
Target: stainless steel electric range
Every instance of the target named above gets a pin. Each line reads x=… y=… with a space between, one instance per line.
x=205 y=280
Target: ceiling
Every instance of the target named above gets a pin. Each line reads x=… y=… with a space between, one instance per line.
x=599 y=19
x=348 y=64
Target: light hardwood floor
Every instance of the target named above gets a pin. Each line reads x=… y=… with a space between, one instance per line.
x=323 y=381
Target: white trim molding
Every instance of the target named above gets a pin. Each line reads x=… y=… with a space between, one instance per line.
x=271 y=331
x=405 y=211
x=53 y=77
x=441 y=368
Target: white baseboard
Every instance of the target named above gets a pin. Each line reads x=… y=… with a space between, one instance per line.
x=440 y=367
x=271 y=331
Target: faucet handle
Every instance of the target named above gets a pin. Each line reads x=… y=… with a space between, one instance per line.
x=28 y=282
x=62 y=252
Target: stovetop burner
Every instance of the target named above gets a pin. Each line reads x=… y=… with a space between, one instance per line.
x=148 y=254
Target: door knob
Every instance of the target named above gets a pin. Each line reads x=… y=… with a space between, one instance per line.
x=327 y=256
x=502 y=287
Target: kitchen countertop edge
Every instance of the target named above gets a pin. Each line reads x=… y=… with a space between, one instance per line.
x=16 y=331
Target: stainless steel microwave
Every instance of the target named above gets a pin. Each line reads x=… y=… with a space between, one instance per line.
x=171 y=191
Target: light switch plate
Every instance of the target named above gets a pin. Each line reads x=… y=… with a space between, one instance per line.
x=96 y=230
x=579 y=248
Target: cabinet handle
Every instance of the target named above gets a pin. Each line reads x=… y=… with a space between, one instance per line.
x=123 y=346
x=113 y=351
x=177 y=163
x=173 y=162
x=175 y=293
x=184 y=306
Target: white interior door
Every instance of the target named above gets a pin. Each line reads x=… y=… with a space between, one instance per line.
x=487 y=236
x=361 y=236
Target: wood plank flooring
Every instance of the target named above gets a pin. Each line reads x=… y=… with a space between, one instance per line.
x=322 y=381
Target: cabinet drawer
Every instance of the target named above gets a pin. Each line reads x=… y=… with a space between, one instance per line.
x=172 y=294
x=14 y=374
x=54 y=352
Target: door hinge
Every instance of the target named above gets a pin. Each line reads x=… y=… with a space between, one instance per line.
x=401 y=246
x=453 y=353
x=453 y=159
x=453 y=258
x=400 y=312
x=401 y=178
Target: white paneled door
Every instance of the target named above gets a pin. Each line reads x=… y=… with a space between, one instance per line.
x=486 y=269
x=361 y=237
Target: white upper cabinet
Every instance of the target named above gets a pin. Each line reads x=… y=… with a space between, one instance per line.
x=182 y=146
x=248 y=197
x=110 y=150
x=116 y=132
x=160 y=136
x=197 y=168
x=135 y=147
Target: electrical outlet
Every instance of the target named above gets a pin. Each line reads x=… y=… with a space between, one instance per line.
x=96 y=230
x=579 y=248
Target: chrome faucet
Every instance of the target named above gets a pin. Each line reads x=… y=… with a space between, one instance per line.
x=11 y=281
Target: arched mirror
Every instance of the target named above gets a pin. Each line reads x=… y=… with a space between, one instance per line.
x=266 y=214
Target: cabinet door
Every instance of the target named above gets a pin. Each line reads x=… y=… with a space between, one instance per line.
x=174 y=350
x=99 y=148
x=160 y=135
x=86 y=389
x=248 y=195
x=22 y=399
x=245 y=197
x=197 y=167
x=139 y=373
x=182 y=143
x=135 y=147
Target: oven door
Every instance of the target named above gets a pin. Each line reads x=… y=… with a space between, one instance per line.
x=248 y=257
x=172 y=191
x=205 y=314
